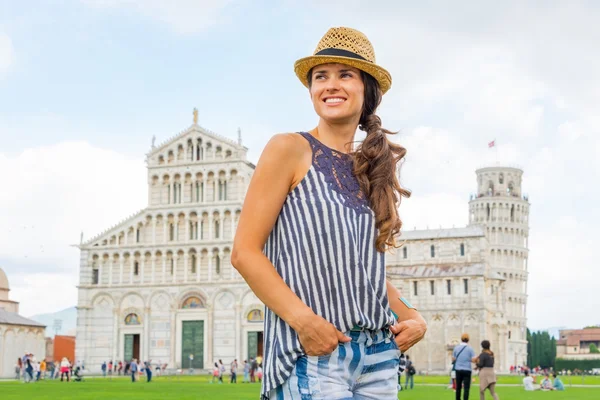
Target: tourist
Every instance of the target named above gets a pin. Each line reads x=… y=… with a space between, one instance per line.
x=148 y=369
x=133 y=367
x=37 y=371
x=557 y=384
x=110 y=368
x=29 y=369
x=43 y=366
x=410 y=374
x=546 y=383
x=120 y=368
x=65 y=367
x=487 y=376
x=313 y=249
x=462 y=357
x=528 y=381
x=216 y=372
x=246 y=367
x=259 y=373
x=234 y=367
x=18 y=368
x=103 y=368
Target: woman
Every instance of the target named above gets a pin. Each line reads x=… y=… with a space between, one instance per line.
x=18 y=368
x=65 y=368
x=312 y=250
x=487 y=376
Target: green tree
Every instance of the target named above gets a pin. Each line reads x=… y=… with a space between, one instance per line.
x=594 y=349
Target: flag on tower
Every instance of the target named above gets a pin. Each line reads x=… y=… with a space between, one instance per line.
x=492 y=143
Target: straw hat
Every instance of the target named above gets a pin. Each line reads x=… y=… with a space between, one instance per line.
x=345 y=46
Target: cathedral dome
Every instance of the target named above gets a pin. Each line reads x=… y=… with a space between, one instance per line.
x=3 y=280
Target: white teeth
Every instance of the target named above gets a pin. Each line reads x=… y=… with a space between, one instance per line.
x=334 y=100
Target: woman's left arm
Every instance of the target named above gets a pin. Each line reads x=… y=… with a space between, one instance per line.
x=410 y=326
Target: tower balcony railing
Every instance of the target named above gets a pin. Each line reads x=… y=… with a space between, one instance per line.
x=499 y=194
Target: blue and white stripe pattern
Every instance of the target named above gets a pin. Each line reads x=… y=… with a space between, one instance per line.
x=323 y=246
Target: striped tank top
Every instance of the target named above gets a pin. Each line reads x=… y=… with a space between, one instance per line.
x=323 y=247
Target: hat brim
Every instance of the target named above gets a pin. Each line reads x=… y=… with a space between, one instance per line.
x=304 y=65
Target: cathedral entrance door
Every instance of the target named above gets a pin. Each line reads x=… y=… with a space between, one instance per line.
x=255 y=344
x=132 y=347
x=192 y=344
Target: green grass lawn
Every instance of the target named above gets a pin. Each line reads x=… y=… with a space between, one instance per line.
x=199 y=388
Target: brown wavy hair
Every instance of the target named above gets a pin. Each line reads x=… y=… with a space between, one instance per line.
x=376 y=166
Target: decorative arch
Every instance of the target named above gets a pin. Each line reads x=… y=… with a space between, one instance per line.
x=132 y=319
x=192 y=302
x=255 y=315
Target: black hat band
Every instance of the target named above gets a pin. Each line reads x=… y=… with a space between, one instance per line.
x=340 y=53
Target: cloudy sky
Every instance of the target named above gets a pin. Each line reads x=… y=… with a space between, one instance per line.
x=84 y=85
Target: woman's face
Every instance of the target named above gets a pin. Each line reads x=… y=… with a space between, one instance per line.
x=337 y=92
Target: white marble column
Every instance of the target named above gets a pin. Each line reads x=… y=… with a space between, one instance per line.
x=177 y=230
x=173 y=338
x=146 y=340
x=185 y=266
x=165 y=237
x=211 y=227
x=232 y=225
x=110 y=271
x=175 y=260
x=187 y=228
x=126 y=236
x=115 y=349
x=131 y=269
x=238 y=331
x=198 y=266
x=221 y=227
x=210 y=330
x=210 y=256
x=121 y=259
x=153 y=276
x=99 y=271
x=142 y=267
x=153 y=222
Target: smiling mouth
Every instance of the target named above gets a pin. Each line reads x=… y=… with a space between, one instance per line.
x=334 y=100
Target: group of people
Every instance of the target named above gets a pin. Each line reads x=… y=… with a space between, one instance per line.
x=252 y=371
x=546 y=384
x=463 y=358
x=134 y=368
x=30 y=369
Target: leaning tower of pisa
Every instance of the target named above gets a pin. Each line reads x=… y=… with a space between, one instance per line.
x=503 y=211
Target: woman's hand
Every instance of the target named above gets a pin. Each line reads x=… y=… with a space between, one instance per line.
x=319 y=337
x=408 y=333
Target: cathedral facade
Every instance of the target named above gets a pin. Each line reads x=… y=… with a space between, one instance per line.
x=160 y=285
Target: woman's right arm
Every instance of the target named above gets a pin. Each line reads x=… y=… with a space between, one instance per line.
x=273 y=178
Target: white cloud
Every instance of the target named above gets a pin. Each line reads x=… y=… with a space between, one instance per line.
x=183 y=16
x=51 y=194
x=6 y=54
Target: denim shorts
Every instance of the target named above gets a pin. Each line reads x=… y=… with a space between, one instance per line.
x=364 y=368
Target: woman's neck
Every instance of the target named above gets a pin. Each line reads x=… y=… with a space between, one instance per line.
x=337 y=137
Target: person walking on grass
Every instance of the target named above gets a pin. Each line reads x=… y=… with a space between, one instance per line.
x=462 y=357
x=319 y=215
x=234 y=368
x=410 y=374
x=148 y=369
x=133 y=367
x=246 y=367
x=487 y=376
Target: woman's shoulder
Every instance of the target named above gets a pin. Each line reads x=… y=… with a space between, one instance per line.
x=287 y=144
